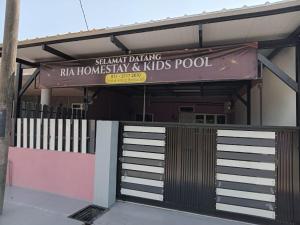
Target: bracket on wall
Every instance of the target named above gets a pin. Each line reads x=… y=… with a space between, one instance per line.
x=56 y=52
x=119 y=44
x=278 y=72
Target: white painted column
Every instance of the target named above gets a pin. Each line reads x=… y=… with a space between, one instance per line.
x=106 y=163
x=46 y=96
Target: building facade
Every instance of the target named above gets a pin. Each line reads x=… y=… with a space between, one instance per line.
x=199 y=113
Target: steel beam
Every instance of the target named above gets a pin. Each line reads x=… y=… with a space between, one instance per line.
x=56 y=52
x=119 y=44
x=294 y=36
x=85 y=101
x=17 y=101
x=278 y=72
x=277 y=43
x=241 y=99
x=29 y=82
x=249 y=103
x=296 y=158
x=200 y=35
x=18 y=87
x=27 y=63
x=298 y=80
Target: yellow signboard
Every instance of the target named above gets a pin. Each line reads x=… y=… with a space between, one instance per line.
x=125 y=78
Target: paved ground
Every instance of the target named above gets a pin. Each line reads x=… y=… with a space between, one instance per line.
x=27 y=207
x=124 y=213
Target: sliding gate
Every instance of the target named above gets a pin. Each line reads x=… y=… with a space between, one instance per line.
x=246 y=172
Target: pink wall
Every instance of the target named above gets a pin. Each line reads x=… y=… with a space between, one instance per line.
x=67 y=174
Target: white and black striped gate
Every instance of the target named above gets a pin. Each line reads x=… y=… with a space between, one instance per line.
x=246 y=172
x=242 y=173
x=143 y=158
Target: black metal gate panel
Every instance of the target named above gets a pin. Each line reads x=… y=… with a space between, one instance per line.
x=246 y=172
x=190 y=168
x=143 y=157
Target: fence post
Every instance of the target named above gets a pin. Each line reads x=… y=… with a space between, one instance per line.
x=106 y=163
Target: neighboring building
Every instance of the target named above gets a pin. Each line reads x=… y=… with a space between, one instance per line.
x=200 y=113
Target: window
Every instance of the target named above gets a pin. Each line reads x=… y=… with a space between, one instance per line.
x=210 y=118
x=221 y=119
x=77 y=106
x=200 y=119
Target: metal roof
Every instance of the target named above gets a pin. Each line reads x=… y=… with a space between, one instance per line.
x=255 y=23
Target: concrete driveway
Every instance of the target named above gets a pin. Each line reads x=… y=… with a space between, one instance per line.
x=28 y=207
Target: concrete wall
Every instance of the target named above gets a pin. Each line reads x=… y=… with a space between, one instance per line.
x=64 y=173
x=278 y=100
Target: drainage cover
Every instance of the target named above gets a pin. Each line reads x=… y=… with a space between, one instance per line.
x=88 y=214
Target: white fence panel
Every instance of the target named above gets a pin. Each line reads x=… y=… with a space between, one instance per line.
x=31 y=133
x=60 y=135
x=25 y=133
x=52 y=134
x=19 y=132
x=75 y=135
x=69 y=135
x=45 y=134
x=38 y=134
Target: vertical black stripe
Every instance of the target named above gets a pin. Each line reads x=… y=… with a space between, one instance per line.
x=79 y=134
x=72 y=136
x=34 y=132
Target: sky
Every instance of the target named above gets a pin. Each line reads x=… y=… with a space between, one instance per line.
x=39 y=18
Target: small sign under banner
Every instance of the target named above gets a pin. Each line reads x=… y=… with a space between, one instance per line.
x=237 y=62
x=2 y=122
x=126 y=78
